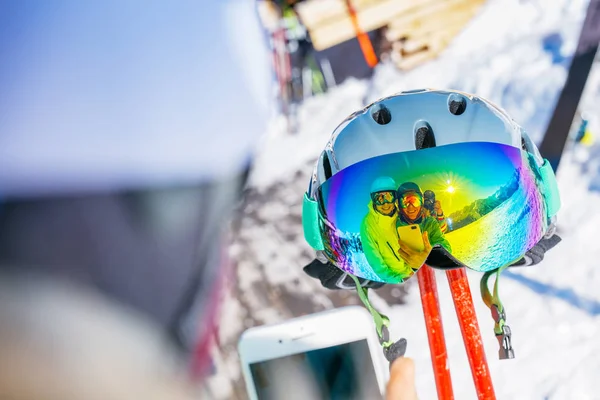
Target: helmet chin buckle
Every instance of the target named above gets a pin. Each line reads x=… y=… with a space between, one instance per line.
x=505 y=351
x=551 y=229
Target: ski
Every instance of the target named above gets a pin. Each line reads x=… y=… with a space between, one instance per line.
x=558 y=129
x=435 y=332
x=469 y=327
x=467 y=319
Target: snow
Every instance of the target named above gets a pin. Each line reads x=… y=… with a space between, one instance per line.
x=508 y=55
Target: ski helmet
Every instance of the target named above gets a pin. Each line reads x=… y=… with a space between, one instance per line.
x=407 y=187
x=383 y=184
x=429 y=195
x=499 y=194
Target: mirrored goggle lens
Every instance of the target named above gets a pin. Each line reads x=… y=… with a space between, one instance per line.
x=412 y=199
x=490 y=211
x=382 y=198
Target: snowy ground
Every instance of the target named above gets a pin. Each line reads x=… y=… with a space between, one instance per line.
x=553 y=309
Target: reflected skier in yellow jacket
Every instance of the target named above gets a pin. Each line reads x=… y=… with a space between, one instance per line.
x=379 y=236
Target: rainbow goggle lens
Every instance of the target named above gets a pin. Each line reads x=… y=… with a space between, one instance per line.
x=495 y=203
x=411 y=199
x=381 y=198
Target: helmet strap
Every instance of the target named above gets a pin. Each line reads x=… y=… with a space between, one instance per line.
x=502 y=331
x=391 y=350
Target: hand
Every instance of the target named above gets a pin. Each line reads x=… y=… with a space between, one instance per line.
x=437 y=206
x=415 y=259
x=401 y=385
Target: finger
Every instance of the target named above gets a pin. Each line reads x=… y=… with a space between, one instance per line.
x=403 y=246
x=426 y=239
x=409 y=251
x=405 y=256
x=428 y=247
x=401 y=385
x=410 y=259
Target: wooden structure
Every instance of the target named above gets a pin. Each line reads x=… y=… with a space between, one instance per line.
x=418 y=30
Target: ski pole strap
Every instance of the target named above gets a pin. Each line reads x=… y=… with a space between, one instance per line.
x=391 y=350
x=502 y=331
x=381 y=321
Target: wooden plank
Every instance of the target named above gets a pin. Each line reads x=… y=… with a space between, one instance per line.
x=437 y=14
x=315 y=13
x=429 y=25
x=432 y=40
x=371 y=18
x=423 y=50
x=433 y=8
x=406 y=63
x=412 y=61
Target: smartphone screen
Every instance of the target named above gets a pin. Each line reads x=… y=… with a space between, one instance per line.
x=339 y=372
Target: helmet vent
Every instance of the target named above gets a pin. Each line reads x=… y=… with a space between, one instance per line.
x=326 y=166
x=424 y=136
x=381 y=114
x=456 y=104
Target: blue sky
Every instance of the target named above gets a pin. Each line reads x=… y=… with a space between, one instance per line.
x=129 y=92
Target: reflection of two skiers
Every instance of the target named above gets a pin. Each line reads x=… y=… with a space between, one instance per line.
x=378 y=233
x=390 y=258
x=412 y=211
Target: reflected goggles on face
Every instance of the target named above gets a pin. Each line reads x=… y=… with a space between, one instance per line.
x=413 y=199
x=382 y=198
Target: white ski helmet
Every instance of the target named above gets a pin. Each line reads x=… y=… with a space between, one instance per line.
x=462 y=147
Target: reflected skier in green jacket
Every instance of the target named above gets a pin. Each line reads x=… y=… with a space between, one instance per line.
x=411 y=211
x=379 y=236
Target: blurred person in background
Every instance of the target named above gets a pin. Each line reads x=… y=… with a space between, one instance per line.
x=434 y=209
x=126 y=135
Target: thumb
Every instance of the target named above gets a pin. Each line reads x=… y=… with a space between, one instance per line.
x=402 y=380
x=426 y=238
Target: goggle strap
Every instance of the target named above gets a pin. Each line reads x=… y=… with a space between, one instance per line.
x=550 y=188
x=310 y=223
x=502 y=331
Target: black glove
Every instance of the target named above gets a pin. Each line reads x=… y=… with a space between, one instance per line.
x=332 y=277
x=396 y=350
x=536 y=254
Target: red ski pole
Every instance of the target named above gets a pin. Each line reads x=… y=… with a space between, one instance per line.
x=435 y=332
x=465 y=311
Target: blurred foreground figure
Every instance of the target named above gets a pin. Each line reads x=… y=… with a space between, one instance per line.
x=126 y=133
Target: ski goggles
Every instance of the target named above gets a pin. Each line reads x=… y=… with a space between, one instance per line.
x=413 y=199
x=497 y=202
x=381 y=198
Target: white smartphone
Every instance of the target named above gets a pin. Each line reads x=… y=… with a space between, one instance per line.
x=330 y=354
